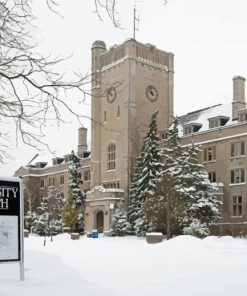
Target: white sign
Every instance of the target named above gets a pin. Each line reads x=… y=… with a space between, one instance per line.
x=8 y=237
x=11 y=222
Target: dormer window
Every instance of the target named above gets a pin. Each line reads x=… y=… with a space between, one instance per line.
x=40 y=165
x=214 y=123
x=242 y=115
x=163 y=135
x=68 y=158
x=191 y=128
x=57 y=160
x=217 y=121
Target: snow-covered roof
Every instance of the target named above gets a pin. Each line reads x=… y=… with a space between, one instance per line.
x=201 y=116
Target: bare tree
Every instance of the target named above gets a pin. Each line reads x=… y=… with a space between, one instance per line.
x=110 y=7
x=32 y=92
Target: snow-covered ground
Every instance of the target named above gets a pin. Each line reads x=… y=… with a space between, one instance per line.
x=129 y=266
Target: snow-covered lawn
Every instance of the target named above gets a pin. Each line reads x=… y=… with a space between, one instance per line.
x=129 y=266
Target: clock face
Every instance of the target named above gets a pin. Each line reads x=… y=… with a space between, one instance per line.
x=111 y=94
x=152 y=93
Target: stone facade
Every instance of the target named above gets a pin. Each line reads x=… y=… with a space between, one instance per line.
x=130 y=82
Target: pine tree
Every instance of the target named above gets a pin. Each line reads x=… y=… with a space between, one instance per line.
x=74 y=205
x=184 y=199
x=120 y=226
x=145 y=178
x=48 y=218
x=71 y=213
x=137 y=198
x=168 y=203
x=202 y=207
x=75 y=180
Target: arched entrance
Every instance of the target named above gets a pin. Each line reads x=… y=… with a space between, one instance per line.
x=100 y=221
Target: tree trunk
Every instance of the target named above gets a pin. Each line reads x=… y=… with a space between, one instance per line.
x=168 y=222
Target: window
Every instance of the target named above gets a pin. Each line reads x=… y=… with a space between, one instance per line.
x=61 y=180
x=111 y=157
x=118 y=112
x=68 y=158
x=213 y=123
x=111 y=184
x=192 y=128
x=210 y=154
x=212 y=177
x=42 y=183
x=187 y=130
x=237 y=149
x=104 y=116
x=218 y=121
x=242 y=116
x=163 y=135
x=237 y=176
x=237 y=204
x=87 y=175
x=51 y=181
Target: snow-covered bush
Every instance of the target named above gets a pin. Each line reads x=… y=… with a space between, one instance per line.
x=48 y=218
x=197 y=228
x=29 y=220
x=120 y=226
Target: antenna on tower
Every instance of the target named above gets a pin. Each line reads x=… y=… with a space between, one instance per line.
x=136 y=23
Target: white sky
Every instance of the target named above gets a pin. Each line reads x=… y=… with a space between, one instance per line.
x=208 y=39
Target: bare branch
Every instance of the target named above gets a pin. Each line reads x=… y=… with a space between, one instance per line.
x=32 y=92
x=110 y=7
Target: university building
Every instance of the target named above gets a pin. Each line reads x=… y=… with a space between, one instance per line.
x=130 y=82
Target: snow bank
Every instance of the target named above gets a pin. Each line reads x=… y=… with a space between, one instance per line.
x=122 y=266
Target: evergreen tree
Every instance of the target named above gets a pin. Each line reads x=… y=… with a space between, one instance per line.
x=29 y=220
x=74 y=206
x=48 y=218
x=136 y=197
x=202 y=207
x=75 y=180
x=71 y=213
x=166 y=204
x=145 y=178
x=120 y=226
x=183 y=201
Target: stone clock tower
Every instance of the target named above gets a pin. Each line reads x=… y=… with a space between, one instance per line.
x=130 y=82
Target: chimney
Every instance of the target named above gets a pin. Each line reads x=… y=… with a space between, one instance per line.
x=238 y=102
x=82 y=140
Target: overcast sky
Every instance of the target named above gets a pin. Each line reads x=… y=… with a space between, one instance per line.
x=208 y=39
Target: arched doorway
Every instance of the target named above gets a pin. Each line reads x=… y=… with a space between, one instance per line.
x=100 y=221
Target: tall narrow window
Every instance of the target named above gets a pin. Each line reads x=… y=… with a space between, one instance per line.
x=237 y=206
x=51 y=181
x=210 y=154
x=237 y=176
x=238 y=149
x=42 y=183
x=105 y=116
x=111 y=157
x=61 y=180
x=212 y=177
x=118 y=111
x=87 y=175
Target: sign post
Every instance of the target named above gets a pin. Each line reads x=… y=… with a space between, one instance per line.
x=11 y=222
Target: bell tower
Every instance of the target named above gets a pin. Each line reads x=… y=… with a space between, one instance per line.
x=130 y=82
